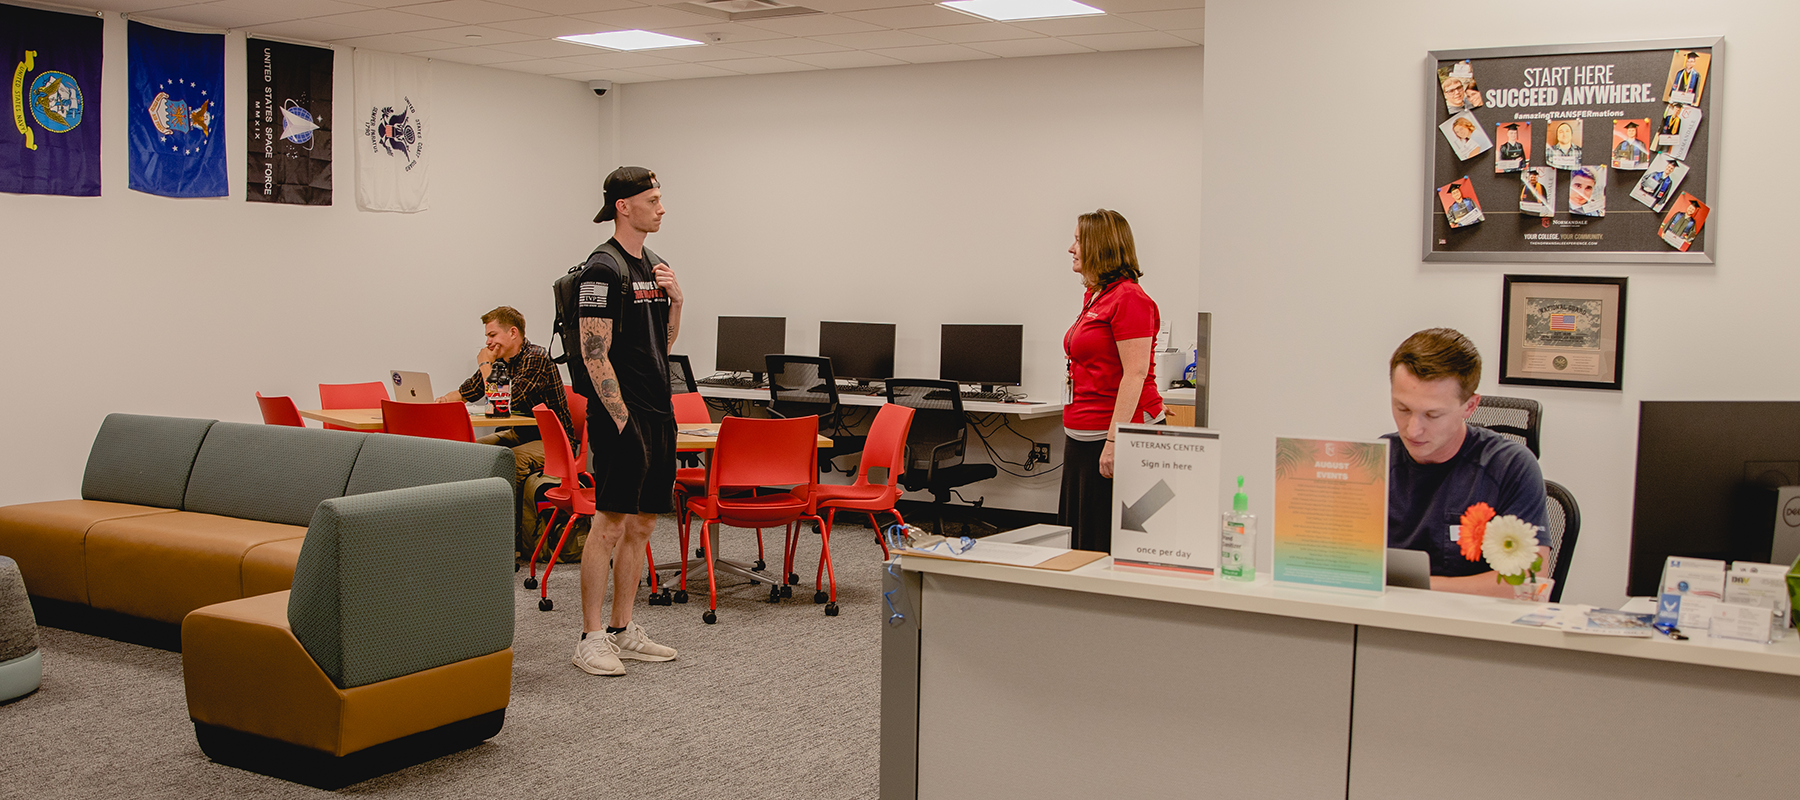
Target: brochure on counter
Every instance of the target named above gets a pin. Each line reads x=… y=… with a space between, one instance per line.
x=1591 y=620
x=1060 y=559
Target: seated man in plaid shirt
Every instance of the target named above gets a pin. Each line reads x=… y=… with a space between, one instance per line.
x=534 y=380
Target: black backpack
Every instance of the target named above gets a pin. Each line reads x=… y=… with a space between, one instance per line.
x=568 y=327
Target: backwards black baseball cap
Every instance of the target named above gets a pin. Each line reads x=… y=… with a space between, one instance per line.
x=625 y=182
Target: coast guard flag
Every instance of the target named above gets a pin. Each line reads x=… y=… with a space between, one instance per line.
x=52 y=143
x=290 y=123
x=393 y=103
x=176 y=109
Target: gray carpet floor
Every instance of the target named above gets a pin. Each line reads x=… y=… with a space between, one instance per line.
x=773 y=701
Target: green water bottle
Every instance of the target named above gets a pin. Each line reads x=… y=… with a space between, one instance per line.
x=1237 y=539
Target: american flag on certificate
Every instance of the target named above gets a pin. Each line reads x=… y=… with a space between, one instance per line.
x=1562 y=322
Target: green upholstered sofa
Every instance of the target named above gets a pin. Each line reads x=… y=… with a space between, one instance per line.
x=176 y=514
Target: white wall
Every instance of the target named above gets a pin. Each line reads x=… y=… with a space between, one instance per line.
x=1309 y=308
x=920 y=195
x=143 y=304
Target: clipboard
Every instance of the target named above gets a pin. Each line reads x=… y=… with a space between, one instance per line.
x=1074 y=559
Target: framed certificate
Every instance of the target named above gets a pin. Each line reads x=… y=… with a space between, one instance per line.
x=1558 y=330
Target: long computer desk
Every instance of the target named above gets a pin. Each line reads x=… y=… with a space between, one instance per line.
x=1009 y=682
x=1020 y=410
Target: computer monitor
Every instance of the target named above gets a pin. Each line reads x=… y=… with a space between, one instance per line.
x=988 y=355
x=743 y=341
x=859 y=351
x=1707 y=474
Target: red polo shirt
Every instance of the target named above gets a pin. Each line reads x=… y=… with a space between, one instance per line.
x=1117 y=312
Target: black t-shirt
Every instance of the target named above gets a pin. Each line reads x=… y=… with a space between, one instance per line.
x=1426 y=500
x=639 y=310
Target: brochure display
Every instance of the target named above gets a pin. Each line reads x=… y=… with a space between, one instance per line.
x=1331 y=513
x=1166 y=498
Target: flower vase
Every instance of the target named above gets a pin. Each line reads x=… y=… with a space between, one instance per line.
x=1532 y=591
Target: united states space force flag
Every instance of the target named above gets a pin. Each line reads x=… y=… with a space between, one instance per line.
x=176 y=109
x=393 y=102
x=290 y=122
x=52 y=143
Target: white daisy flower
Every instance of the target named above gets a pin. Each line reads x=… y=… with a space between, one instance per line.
x=1510 y=545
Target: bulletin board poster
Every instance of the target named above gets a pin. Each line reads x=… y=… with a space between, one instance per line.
x=1573 y=153
x=1331 y=513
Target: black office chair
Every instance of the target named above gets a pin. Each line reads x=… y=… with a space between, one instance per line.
x=681 y=375
x=802 y=386
x=1565 y=527
x=939 y=437
x=1516 y=417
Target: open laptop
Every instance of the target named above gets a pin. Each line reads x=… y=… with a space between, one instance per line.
x=411 y=387
x=1409 y=568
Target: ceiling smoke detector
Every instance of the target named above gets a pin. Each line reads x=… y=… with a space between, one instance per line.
x=740 y=10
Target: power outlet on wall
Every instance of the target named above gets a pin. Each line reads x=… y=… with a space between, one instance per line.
x=1040 y=454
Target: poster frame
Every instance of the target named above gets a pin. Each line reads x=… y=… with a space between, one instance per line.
x=1512 y=332
x=1714 y=98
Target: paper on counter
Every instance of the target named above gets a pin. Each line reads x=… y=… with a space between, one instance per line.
x=1004 y=553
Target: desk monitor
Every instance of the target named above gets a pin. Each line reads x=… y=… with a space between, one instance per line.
x=859 y=351
x=743 y=341
x=988 y=355
x=1707 y=474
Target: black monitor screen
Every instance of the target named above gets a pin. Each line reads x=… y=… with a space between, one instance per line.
x=1706 y=478
x=985 y=354
x=862 y=351
x=743 y=341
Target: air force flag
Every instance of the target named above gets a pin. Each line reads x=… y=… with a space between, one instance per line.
x=177 y=112
x=393 y=101
x=52 y=143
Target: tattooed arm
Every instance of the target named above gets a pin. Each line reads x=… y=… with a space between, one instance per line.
x=596 y=343
x=665 y=277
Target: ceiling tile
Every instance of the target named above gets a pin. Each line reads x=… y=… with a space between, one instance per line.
x=1179 y=20
x=647 y=18
x=789 y=47
x=1131 y=6
x=912 y=17
x=1197 y=35
x=470 y=12
x=211 y=16
x=382 y=3
x=1141 y=40
x=134 y=6
x=566 y=7
x=1020 y=48
x=680 y=71
x=842 y=6
x=309 y=30
x=290 y=9
x=539 y=66
x=396 y=43
x=701 y=55
x=480 y=56
x=980 y=32
x=547 y=48
x=384 y=21
x=552 y=27
x=876 y=39
x=1076 y=26
x=614 y=75
x=849 y=59
x=605 y=60
x=932 y=54
x=726 y=33
x=483 y=35
x=761 y=66
x=815 y=25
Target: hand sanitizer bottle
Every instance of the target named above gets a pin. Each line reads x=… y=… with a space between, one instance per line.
x=1237 y=539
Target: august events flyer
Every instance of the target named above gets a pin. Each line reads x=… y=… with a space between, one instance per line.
x=1331 y=513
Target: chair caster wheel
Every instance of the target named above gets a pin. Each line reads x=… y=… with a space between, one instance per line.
x=820 y=597
x=699 y=552
x=815 y=527
x=793 y=579
x=831 y=609
x=681 y=596
x=760 y=566
x=709 y=618
x=658 y=599
x=787 y=591
x=516 y=566
x=545 y=604
x=531 y=583
x=774 y=594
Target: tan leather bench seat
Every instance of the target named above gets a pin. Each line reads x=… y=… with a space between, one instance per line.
x=162 y=566
x=49 y=541
x=269 y=567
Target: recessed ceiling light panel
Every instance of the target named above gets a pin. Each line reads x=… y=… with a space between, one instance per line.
x=1011 y=10
x=630 y=40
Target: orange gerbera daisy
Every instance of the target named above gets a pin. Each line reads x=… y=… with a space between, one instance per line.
x=1474 y=528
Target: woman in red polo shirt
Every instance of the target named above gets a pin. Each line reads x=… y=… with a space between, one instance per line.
x=1111 y=379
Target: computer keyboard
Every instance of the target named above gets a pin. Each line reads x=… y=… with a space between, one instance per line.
x=869 y=391
x=732 y=382
x=981 y=397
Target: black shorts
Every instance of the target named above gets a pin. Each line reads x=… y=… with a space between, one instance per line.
x=634 y=469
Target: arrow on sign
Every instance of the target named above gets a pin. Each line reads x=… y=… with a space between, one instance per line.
x=1132 y=517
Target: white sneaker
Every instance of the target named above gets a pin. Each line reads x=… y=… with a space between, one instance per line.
x=634 y=643
x=598 y=654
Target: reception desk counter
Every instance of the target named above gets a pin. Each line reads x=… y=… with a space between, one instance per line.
x=1010 y=682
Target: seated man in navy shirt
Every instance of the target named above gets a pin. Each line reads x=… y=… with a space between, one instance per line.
x=1447 y=465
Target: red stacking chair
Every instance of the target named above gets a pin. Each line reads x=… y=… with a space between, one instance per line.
x=351 y=395
x=690 y=411
x=430 y=420
x=886 y=450
x=279 y=411
x=569 y=496
x=752 y=453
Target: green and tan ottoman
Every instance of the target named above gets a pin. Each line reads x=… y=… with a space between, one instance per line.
x=21 y=665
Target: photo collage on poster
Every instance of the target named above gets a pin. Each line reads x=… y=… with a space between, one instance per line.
x=1612 y=152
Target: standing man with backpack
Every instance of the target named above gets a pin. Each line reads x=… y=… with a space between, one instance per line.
x=628 y=312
